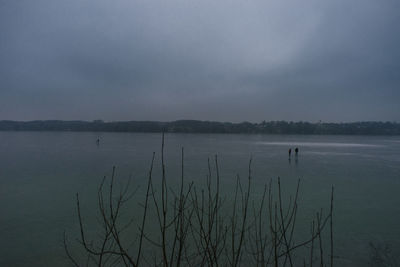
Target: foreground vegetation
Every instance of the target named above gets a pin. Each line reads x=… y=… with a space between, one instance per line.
x=193 y=126
x=201 y=227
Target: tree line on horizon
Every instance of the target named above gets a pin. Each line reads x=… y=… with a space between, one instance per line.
x=196 y=126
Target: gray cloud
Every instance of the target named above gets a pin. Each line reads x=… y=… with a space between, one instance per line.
x=211 y=60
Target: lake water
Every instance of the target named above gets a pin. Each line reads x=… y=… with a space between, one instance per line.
x=40 y=173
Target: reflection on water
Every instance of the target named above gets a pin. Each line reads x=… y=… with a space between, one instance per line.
x=318 y=144
x=40 y=173
x=328 y=153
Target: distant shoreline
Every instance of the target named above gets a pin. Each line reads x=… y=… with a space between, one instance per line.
x=196 y=126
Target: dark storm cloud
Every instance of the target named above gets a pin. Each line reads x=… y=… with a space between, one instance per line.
x=211 y=60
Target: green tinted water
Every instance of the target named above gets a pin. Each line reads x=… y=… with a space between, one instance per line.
x=40 y=172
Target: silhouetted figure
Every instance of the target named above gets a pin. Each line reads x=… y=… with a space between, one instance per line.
x=290 y=152
x=98 y=141
x=296 y=151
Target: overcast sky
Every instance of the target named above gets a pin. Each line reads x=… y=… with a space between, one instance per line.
x=223 y=60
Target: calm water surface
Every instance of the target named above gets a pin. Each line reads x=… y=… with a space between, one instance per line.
x=40 y=173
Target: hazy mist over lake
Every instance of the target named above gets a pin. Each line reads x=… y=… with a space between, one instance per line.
x=86 y=85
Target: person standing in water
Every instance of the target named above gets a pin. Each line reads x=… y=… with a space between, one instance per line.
x=290 y=152
x=98 y=141
x=296 y=151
